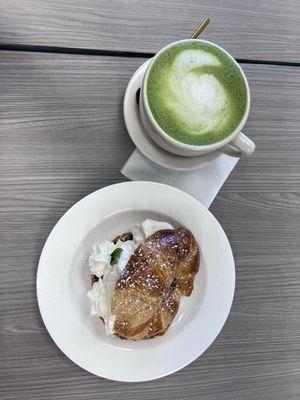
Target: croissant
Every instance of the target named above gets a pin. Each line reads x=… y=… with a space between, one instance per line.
x=160 y=271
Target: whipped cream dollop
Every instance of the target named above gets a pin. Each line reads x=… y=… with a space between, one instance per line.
x=99 y=261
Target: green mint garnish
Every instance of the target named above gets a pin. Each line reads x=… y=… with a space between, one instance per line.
x=115 y=256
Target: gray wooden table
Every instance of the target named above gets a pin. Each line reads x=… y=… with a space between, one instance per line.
x=64 y=67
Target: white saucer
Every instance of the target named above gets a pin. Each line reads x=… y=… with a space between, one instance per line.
x=144 y=143
x=63 y=280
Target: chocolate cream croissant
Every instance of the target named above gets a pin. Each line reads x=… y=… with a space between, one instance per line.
x=148 y=292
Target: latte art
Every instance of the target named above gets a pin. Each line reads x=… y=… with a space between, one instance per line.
x=198 y=99
x=196 y=93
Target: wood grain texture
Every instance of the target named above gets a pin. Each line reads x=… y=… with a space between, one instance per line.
x=62 y=136
x=257 y=29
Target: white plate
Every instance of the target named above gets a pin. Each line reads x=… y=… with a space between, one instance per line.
x=63 y=280
x=143 y=141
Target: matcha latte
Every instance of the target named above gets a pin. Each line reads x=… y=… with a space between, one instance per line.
x=196 y=93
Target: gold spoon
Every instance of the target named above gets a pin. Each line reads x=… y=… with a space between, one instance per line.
x=200 y=28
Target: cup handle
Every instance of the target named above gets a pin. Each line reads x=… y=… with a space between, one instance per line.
x=241 y=145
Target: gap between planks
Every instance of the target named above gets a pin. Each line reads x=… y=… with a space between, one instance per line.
x=114 y=53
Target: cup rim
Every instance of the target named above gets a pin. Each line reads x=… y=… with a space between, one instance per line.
x=169 y=138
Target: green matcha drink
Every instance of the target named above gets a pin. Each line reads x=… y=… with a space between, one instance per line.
x=196 y=93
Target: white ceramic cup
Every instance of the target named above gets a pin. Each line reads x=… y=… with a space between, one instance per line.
x=235 y=144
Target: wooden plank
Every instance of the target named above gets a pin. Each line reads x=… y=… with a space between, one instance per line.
x=62 y=137
x=257 y=29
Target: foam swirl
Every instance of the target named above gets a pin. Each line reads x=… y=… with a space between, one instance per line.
x=197 y=98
